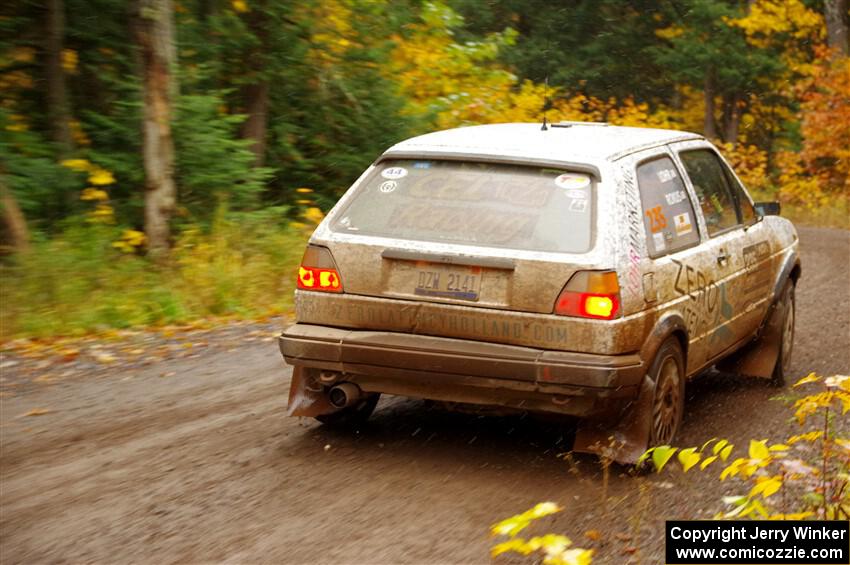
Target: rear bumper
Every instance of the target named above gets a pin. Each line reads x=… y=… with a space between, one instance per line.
x=458 y=370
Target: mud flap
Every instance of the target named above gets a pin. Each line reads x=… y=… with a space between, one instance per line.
x=759 y=357
x=628 y=439
x=306 y=395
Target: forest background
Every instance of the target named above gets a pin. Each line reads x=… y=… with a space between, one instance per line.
x=164 y=161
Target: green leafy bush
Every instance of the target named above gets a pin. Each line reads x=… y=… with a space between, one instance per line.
x=82 y=281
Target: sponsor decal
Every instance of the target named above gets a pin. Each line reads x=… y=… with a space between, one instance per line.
x=572 y=181
x=388 y=186
x=683 y=223
x=666 y=175
x=394 y=173
x=658 y=239
x=578 y=205
x=675 y=197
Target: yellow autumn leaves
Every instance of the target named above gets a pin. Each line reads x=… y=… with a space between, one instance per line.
x=769 y=466
x=103 y=213
x=98 y=177
x=556 y=549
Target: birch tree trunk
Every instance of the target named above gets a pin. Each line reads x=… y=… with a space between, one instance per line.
x=155 y=36
x=732 y=110
x=835 y=13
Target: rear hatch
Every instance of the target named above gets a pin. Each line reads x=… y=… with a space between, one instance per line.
x=470 y=233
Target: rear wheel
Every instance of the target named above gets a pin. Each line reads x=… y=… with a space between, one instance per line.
x=786 y=344
x=668 y=403
x=351 y=416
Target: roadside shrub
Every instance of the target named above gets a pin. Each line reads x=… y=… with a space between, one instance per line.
x=806 y=476
x=91 y=277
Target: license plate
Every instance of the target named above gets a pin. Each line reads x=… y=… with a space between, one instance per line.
x=461 y=283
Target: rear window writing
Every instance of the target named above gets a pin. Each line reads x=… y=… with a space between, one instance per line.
x=483 y=204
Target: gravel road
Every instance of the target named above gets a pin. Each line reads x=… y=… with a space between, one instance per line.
x=192 y=459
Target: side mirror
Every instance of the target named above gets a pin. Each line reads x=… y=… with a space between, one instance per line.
x=767 y=208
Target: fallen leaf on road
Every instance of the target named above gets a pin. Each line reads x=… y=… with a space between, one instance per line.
x=595 y=535
x=70 y=354
x=38 y=412
x=105 y=358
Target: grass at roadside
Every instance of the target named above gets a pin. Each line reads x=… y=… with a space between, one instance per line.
x=79 y=283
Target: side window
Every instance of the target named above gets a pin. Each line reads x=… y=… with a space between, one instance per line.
x=667 y=212
x=712 y=189
x=748 y=213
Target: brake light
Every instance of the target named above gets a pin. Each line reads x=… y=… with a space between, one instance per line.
x=318 y=271
x=590 y=294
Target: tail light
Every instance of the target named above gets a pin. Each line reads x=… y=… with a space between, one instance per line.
x=318 y=271
x=590 y=294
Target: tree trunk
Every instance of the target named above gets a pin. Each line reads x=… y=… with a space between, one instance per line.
x=155 y=36
x=835 y=13
x=256 y=98
x=732 y=111
x=57 y=95
x=709 y=128
x=14 y=223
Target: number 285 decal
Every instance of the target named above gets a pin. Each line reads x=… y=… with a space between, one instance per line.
x=657 y=221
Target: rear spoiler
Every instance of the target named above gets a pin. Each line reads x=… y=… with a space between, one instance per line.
x=591 y=170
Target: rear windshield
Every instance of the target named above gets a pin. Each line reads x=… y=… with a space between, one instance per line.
x=517 y=207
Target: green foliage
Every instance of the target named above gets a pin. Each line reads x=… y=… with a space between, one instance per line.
x=212 y=163
x=601 y=48
x=79 y=282
x=44 y=189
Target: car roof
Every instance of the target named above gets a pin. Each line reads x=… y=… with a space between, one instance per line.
x=565 y=141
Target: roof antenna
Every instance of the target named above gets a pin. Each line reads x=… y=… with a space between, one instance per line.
x=545 y=102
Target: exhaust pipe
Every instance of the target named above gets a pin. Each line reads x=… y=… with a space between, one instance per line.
x=344 y=395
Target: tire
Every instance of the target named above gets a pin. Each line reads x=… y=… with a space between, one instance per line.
x=788 y=309
x=668 y=403
x=352 y=416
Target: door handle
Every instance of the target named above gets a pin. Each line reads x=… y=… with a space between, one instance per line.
x=722 y=257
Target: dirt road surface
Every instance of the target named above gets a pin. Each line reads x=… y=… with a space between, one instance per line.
x=193 y=460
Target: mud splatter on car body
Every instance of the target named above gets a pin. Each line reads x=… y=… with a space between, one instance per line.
x=585 y=270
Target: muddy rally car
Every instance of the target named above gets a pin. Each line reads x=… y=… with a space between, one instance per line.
x=578 y=269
